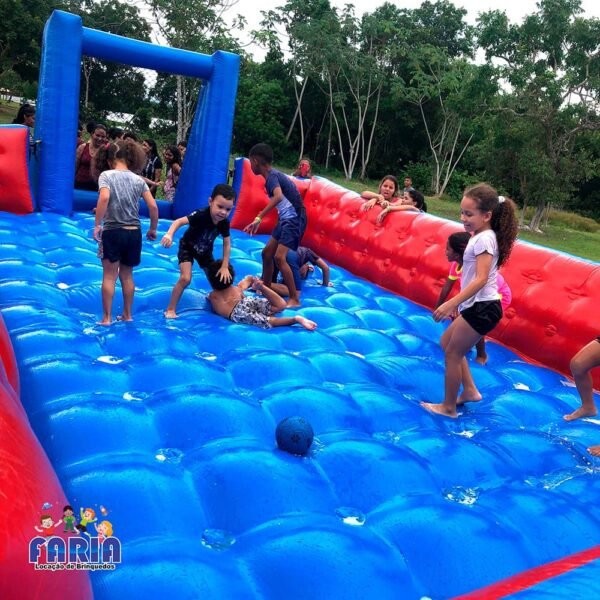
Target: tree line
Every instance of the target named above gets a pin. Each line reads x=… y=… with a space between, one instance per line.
x=403 y=91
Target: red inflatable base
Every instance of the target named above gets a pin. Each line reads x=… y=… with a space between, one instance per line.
x=554 y=296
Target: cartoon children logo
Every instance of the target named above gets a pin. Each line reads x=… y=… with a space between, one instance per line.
x=77 y=548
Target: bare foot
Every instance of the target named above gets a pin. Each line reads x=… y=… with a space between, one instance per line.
x=124 y=318
x=439 y=409
x=104 y=322
x=481 y=360
x=170 y=314
x=594 y=450
x=581 y=412
x=306 y=323
x=292 y=304
x=468 y=397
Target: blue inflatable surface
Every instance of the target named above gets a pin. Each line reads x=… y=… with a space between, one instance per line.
x=169 y=426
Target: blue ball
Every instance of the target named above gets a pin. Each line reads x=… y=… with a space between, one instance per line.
x=294 y=435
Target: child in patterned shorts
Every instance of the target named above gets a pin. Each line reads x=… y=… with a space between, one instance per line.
x=229 y=301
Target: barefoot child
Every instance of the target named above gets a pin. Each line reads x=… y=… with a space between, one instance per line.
x=288 y=233
x=117 y=225
x=455 y=248
x=581 y=365
x=492 y=222
x=197 y=242
x=229 y=301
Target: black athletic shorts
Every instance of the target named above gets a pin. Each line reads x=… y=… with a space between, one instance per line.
x=186 y=253
x=123 y=245
x=483 y=316
x=289 y=232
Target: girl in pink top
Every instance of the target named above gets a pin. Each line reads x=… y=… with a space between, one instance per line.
x=455 y=248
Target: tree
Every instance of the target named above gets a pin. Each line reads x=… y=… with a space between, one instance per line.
x=550 y=71
x=196 y=25
x=21 y=38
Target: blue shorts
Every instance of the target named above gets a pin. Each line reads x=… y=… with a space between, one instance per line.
x=289 y=232
x=294 y=264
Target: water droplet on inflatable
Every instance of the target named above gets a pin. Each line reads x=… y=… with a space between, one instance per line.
x=316 y=447
x=522 y=386
x=171 y=455
x=350 y=516
x=135 y=396
x=217 y=539
x=63 y=286
x=110 y=360
x=355 y=354
x=244 y=392
x=90 y=331
x=590 y=420
x=46 y=505
x=466 y=434
x=461 y=495
x=389 y=437
x=206 y=355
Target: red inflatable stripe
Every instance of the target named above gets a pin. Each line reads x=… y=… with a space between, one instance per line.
x=522 y=581
x=555 y=296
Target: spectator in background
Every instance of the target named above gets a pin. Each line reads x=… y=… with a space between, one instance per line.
x=84 y=178
x=26 y=116
x=182 y=147
x=129 y=135
x=303 y=170
x=172 y=158
x=153 y=169
x=115 y=133
x=80 y=139
x=408 y=186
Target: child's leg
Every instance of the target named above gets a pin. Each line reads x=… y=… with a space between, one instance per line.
x=581 y=365
x=283 y=321
x=110 y=271
x=280 y=288
x=288 y=276
x=268 y=254
x=457 y=340
x=594 y=450
x=128 y=287
x=185 y=277
x=482 y=356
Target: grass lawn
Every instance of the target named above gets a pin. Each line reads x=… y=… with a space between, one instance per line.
x=8 y=111
x=566 y=231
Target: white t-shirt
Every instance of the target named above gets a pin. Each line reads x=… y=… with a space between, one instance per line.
x=478 y=244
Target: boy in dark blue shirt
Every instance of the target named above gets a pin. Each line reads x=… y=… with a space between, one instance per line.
x=197 y=242
x=288 y=233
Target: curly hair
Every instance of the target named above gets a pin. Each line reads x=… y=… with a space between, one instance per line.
x=504 y=216
x=130 y=152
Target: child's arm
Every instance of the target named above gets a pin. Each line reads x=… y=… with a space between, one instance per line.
x=393 y=208
x=223 y=272
x=246 y=283
x=167 y=240
x=148 y=198
x=325 y=270
x=446 y=289
x=101 y=207
x=276 y=198
x=483 y=266
x=371 y=199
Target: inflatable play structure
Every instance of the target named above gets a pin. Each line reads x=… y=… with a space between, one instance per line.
x=166 y=429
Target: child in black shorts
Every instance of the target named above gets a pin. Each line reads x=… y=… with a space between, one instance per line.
x=197 y=242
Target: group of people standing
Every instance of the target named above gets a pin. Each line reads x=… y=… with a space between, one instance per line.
x=86 y=175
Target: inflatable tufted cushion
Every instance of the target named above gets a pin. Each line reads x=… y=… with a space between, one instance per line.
x=554 y=295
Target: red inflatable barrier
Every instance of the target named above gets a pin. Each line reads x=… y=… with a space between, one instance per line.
x=28 y=482
x=15 y=192
x=554 y=298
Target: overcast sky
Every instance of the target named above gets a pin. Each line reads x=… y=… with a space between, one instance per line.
x=515 y=9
